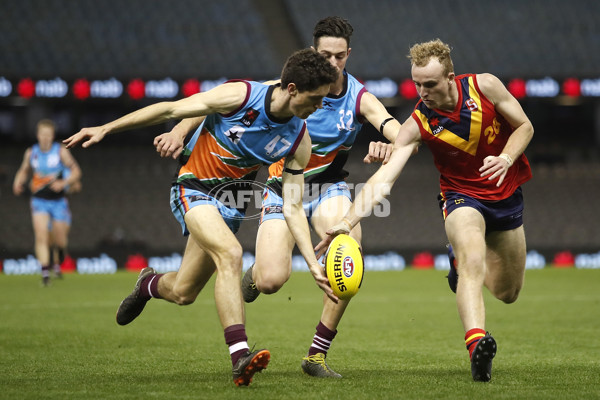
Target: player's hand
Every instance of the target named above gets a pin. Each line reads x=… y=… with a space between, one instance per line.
x=321 y=279
x=496 y=167
x=18 y=189
x=323 y=245
x=379 y=152
x=86 y=137
x=169 y=145
x=75 y=187
x=58 y=185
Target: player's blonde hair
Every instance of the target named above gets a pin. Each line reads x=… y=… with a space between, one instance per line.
x=421 y=53
x=46 y=122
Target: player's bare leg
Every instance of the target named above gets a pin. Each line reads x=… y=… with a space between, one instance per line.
x=326 y=215
x=273 y=263
x=42 y=243
x=183 y=286
x=180 y=287
x=59 y=239
x=211 y=246
x=465 y=228
x=212 y=234
x=506 y=257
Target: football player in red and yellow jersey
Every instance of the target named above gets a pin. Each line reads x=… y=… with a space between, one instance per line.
x=477 y=133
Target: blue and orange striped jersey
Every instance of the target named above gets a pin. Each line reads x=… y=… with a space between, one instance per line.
x=47 y=167
x=332 y=130
x=461 y=139
x=228 y=147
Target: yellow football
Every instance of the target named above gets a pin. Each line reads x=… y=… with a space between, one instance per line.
x=344 y=266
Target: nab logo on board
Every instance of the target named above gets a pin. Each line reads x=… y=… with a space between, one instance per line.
x=348 y=267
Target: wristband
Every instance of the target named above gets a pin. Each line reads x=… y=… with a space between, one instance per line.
x=507 y=158
x=293 y=171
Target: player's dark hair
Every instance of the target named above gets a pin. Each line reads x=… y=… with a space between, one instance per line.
x=308 y=70
x=332 y=27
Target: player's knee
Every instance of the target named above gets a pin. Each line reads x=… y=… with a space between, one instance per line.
x=471 y=265
x=235 y=255
x=269 y=286
x=184 y=300
x=42 y=240
x=230 y=260
x=509 y=295
x=183 y=296
x=60 y=243
x=271 y=277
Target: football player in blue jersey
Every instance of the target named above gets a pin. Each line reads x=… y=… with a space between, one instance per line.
x=333 y=130
x=228 y=148
x=45 y=162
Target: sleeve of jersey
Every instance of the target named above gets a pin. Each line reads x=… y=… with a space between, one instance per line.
x=361 y=119
x=300 y=136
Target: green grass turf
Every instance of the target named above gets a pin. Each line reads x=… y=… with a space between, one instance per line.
x=400 y=338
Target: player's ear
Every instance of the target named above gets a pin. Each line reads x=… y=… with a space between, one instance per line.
x=349 y=51
x=292 y=89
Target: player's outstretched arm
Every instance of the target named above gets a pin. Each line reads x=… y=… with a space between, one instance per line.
x=378 y=116
x=170 y=144
x=293 y=187
x=379 y=185
x=224 y=98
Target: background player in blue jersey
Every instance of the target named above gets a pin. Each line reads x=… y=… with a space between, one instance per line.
x=248 y=124
x=333 y=130
x=45 y=162
x=477 y=132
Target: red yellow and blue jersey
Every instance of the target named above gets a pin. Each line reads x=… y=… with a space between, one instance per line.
x=233 y=146
x=461 y=139
x=47 y=167
x=332 y=130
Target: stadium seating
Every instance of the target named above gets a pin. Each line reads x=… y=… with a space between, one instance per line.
x=153 y=39
x=550 y=37
x=212 y=39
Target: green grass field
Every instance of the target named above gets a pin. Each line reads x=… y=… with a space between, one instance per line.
x=400 y=339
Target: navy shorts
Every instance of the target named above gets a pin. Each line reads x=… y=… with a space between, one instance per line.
x=502 y=215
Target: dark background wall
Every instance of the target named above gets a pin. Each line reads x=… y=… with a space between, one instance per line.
x=125 y=204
